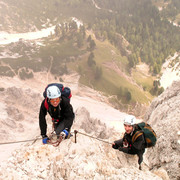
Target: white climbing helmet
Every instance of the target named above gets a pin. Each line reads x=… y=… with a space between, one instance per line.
x=53 y=92
x=130 y=120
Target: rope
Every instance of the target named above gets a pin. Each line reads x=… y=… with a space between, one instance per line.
x=75 y=132
x=13 y=142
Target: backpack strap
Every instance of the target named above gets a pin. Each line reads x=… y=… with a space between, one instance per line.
x=46 y=104
x=70 y=96
x=136 y=135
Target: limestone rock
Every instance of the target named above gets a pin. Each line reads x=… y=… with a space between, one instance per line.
x=86 y=159
x=163 y=115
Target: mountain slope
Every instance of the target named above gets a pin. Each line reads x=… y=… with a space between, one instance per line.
x=124 y=36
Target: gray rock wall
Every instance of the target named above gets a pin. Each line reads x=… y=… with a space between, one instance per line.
x=164 y=116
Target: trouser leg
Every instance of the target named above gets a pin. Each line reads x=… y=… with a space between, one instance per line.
x=140 y=158
x=63 y=125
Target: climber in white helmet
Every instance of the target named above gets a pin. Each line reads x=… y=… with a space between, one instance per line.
x=129 y=145
x=60 y=110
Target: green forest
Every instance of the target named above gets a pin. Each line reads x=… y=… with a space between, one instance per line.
x=149 y=32
x=152 y=38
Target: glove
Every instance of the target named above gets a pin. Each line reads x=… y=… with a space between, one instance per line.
x=120 y=148
x=64 y=134
x=115 y=146
x=123 y=149
x=45 y=139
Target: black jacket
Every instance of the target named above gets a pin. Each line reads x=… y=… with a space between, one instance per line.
x=126 y=145
x=63 y=112
x=138 y=146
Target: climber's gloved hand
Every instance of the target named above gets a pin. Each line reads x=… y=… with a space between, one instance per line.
x=120 y=148
x=64 y=134
x=45 y=139
x=123 y=149
x=115 y=146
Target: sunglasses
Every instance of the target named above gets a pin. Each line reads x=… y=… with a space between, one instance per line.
x=55 y=100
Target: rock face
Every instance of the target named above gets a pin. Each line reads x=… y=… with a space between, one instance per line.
x=87 y=159
x=164 y=116
x=20 y=112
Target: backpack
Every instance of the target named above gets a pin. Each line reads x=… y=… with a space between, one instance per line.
x=65 y=92
x=149 y=134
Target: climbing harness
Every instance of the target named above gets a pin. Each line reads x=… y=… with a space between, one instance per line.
x=54 y=139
